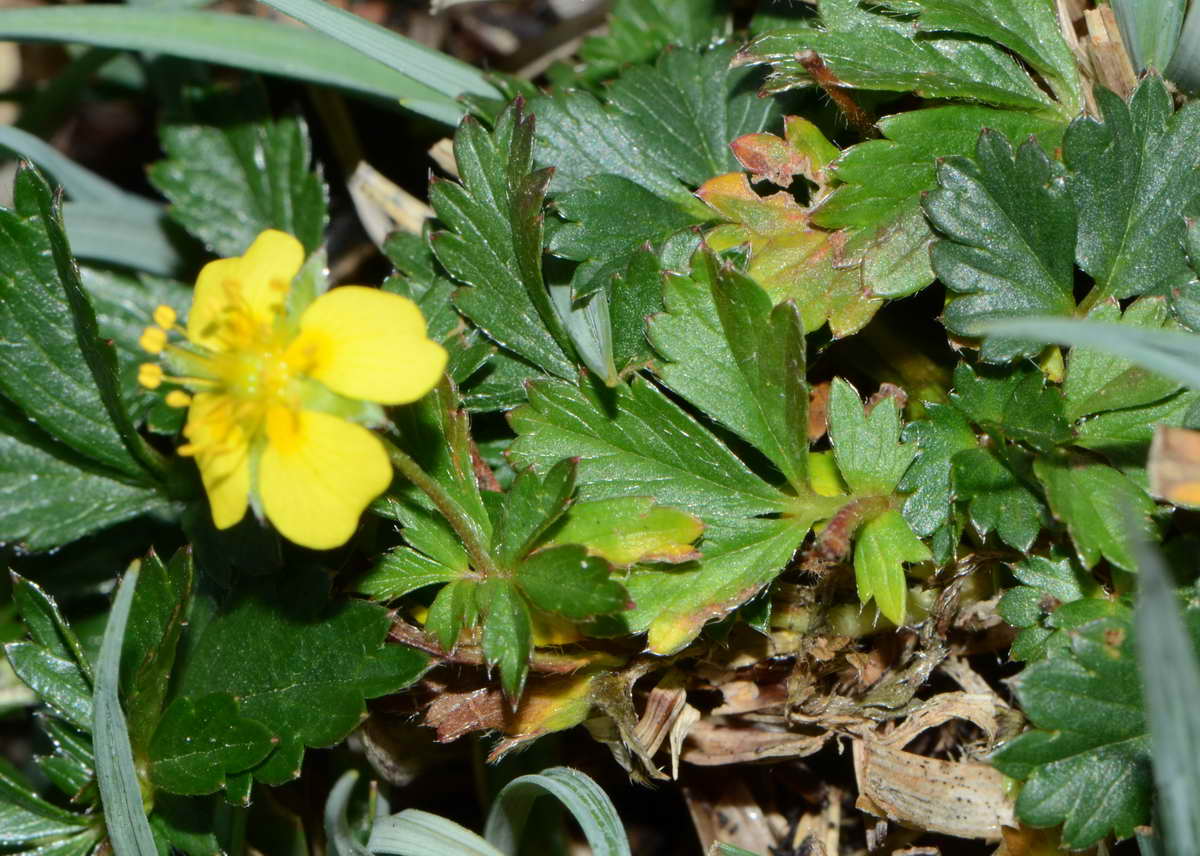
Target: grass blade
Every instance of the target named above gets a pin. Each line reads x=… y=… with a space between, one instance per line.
x=444 y=73
x=120 y=794
x=418 y=833
x=1171 y=680
x=1173 y=353
x=1184 y=69
x=80 y=183
x=256 y=44
x=337 y=828
x=583 y=798
x=129 y=237
x=1150 y=29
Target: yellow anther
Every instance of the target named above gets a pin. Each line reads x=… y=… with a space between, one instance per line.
x=153 y=340
x=178 y=398
x=150 y=375
x=165 y=317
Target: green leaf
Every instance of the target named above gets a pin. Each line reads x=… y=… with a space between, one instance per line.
x=531 y=506
x=584 y=799
x=881 y=547
x=46 y=625
x=1166 y=655
x=567 y=581
x=1097 y=382
x=1087 y=764
x=26 y=818
x=1094 y=500
x=1013 y=402
x=120 y=791
x=999 y=499
x=638 y=30
x=1048 y=583
x=156 y=621
x=867 y=48
x=403 y=570
x=938 y=438
x=634 y=437
x=59 y=683
x=739 y=360
x=494 y=240
x=55 y=366
x=738 y=561
x=229 y=180
x=313 y=663
x=879 y=179
x=631 y=529
x=72 y=766
x=507 y=633
x=1133 y=176
x=867 y=446
x=52 y=495
x=241 y=41
x=635 y=294
x=413 y=832
x=1010 y=239
x=685 y=111
x=1124 y=435
x=198 y=742
x=454 y=607
x=1029 y=30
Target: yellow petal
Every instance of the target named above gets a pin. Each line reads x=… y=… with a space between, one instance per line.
x=222 y=456
x=317 y=475
x=255 y=284
x=368 y=344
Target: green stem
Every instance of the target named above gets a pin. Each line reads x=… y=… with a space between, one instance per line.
x=464 y=526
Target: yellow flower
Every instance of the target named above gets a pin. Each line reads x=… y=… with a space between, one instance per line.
x=280 y=385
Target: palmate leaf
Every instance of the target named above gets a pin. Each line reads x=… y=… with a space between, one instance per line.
x=638 y=438
x=1134 y=176
x=1010 y=239
x=623 y=169
x=232 y=173
x=54 y=365
x=867 y=446
x=1087 y=763
x=53 y=496
x=869 y=49
x=313 y=665
x=738 y=359
x=493 y=241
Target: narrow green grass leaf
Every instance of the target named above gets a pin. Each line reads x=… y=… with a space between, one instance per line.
x=256 y=44
x=337 y=828
x=1150 y=29
x=444 y=73
x=132 y=237
x=582 y=797
x=1170 y=352
x=1171 y=683
x=1184 y=69
x=79 y=182
x=418 y=833
x=120 y=793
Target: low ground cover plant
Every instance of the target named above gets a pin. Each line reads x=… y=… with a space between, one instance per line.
x=771 y=424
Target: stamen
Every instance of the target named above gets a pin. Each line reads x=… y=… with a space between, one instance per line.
x=153 y=340
x=187 y=450
x=165 y=317
x=178 y=398
x=150 y=375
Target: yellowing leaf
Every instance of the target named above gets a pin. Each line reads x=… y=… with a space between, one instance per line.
x=631 y=529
